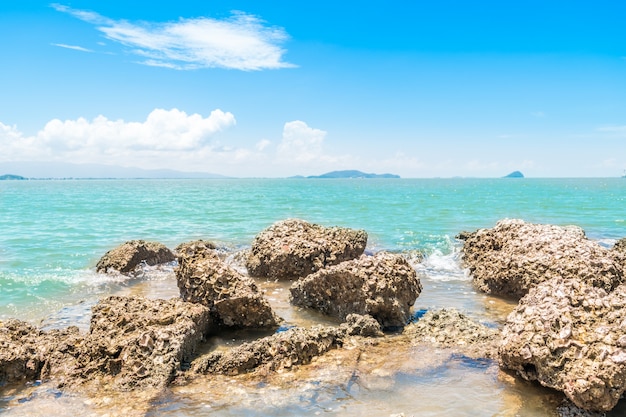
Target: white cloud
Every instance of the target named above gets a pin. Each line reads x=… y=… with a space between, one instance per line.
x=615 y=130
x=241 y=41
x=262 y=145
x=73 y=47
x=300 y=142
x=164 y=134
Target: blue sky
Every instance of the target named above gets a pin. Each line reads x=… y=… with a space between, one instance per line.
x=277 y=88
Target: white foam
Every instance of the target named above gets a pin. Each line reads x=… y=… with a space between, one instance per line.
x=440 y=266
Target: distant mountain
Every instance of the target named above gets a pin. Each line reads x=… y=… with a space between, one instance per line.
x=11 y=177
x=54 y=170
x=514 y=174
x=352 y=174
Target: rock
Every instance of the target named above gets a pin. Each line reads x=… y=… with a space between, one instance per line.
x=570 y=336
x=295 y=248
x=451 y=329
x=620 y=246
x=384 y=286
x=514 y=256
x=284 y=350
x=190 y=247
x=234 y=299
x=25 y=351
x=136 y=343
x=359 y=325
x=132 y=343
x=130 y=255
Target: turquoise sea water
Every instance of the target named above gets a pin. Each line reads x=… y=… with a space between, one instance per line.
x=52 y=232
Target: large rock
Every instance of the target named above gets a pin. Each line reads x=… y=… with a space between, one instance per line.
x=384 y=286
x=134 y=342
x=514 y=256
x=234 y=299
x=452 y=329
x=620 y=246
x=295 y=248
x=130 y=255
x=570 y=336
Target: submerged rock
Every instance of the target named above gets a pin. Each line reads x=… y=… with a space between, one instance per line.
x=128 y=256
x=451 y=329
x=570 y=336
x=284 y=350
x=295 y=248
x=384 y=286
x=234 y=299
x=514 y=256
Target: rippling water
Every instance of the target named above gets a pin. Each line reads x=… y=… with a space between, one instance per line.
x=53 y=232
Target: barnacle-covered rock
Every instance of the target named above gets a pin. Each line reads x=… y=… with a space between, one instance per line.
x=283 y=350
x=134 y=342
x=234 y=299
x=514 y=256
x=295 y=248
x=570 y=336
x=26 y=351
x=127 y=257
x=384 y=286
x=452 y=329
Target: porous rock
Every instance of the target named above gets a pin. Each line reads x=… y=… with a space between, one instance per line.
x=570 y=336
x=514 y=256
x=384 y=286
x=361 y=325
x=135 y=342
x=25 y=351
x=234 y=299
x=450 y=328
x=283 y=350
x=295 y=248
x=130 y=255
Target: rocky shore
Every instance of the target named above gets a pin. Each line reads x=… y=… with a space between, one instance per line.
x=568 y=331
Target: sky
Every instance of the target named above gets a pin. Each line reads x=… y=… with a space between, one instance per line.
x=279 y=88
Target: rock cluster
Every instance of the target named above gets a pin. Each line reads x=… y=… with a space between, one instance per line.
x=295 y=248
x=234 y=299
x=383 y=286
x=514 y=256
x=127 y=257
x=570 y=336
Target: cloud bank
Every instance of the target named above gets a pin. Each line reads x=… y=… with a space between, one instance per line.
x=169 y=139
x=242 y=41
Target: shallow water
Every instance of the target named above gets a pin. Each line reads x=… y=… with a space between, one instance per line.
x=53 y=232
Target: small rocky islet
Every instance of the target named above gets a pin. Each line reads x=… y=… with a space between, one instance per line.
x=567 y=331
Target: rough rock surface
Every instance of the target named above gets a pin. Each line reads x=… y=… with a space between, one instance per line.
x=514 y=256
x=134 y=342
x=359 y=325
x=384 y=286
x=128 y=256
x=234 y=299
x=620 y=246
x=570 y=336
x=451 y=329
x=25 y=351
x=296 y=346
x=295 y=248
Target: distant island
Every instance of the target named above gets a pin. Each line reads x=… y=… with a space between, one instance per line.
x=514 y=174
x=12 y=177
x=351 y=174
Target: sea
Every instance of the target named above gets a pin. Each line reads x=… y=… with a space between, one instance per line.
x=53 y=232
